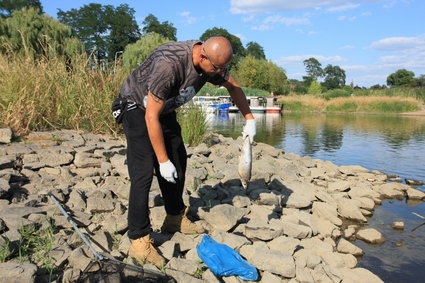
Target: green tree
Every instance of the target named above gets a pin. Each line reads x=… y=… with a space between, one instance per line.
x=33 y=34
x=261 y=74
x=314 y=88
x=238 y=49
x=88 y=24
x=104 y=30
x=123 y=29
x=334 y=77
x=256 y=50
x=8 y=6
x=137 y=52
x=401 y=77
x=314 y=70
x=420 y=81
x=165 y=29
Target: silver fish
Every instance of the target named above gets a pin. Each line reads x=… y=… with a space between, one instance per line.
x=245 y=162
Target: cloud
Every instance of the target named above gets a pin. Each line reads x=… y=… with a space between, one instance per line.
x=187 y=18
x=286 y=21
x=341 y=8
x=261 y=27
x=345 y=47
x=260 y=6
x=249 y=18
x=301 y=58
x=346 y=18
x=407 y=45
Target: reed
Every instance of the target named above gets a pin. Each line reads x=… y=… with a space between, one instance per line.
x=49 y=94
x=414 y=92
x=375 y=104
x=302 y=103
x=193 y=123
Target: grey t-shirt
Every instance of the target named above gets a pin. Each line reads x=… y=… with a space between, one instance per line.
x=169 y=74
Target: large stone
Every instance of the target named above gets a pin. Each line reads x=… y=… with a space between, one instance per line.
x=284 y=243
x=326 y=211
x=87 y=159
x=352 y=169
x=346 y=247
x=391 y=190
x=277 y=262
x=222 y=217
x=359 y=275
x=350 y=209
x=6 y=135
x=291 y=229
x=370 y=235
x=232 y=240
x=415 y=194
x=100 y=200
x=181 y=264
x=261 y=230
x=48 y=158
x=13 y=272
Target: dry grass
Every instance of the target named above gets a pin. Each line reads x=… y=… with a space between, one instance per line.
x=379 y=104
x=47 y=94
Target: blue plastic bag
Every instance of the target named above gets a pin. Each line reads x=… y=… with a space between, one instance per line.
x=224 y=261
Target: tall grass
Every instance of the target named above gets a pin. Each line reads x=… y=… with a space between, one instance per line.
x=416 y=92
x=48 y=94
x=378 y=104
x=51 y=94
x=302 y=103
x=193 y=122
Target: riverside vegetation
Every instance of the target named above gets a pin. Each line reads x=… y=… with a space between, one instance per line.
x=51 y=93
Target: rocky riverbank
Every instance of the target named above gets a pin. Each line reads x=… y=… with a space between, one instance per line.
x=291 y=222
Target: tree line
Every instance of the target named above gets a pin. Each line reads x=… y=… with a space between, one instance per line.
x=106 y=33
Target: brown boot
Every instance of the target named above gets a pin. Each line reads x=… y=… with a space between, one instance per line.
x=180 y=223
x=143 y=250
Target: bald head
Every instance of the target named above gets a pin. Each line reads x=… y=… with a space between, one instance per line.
x=219 y=50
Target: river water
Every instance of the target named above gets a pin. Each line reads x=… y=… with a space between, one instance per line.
x=389 y=143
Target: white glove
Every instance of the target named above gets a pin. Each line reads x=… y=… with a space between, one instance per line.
x=249 y=130
x=168 y=171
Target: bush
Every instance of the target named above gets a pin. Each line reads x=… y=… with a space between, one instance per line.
x=336 y=93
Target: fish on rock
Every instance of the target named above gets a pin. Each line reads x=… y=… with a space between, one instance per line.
x=245 y=162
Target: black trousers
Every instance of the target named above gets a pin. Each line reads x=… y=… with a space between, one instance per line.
x=142 y=163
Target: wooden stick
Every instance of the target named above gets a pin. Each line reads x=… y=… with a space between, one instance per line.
x=418 y=215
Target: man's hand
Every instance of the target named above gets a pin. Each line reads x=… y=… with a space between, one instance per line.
x=168 y=171
x=249 y=130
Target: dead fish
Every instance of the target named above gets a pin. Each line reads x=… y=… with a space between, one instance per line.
x=245 y=162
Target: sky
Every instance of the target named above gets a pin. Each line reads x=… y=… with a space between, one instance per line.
x=369 y=39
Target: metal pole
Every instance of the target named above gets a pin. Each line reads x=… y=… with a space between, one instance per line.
x=97 y=255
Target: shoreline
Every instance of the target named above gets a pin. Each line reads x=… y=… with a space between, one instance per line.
x=291 y=202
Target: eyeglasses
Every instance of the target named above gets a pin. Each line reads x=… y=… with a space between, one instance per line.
x=217 y=69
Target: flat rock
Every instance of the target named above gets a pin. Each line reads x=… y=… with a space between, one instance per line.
x=12 y=272
x=222 y=217
x=370 y=235
x=346 y=247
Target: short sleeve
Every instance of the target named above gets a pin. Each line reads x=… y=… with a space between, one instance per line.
x=161 y=78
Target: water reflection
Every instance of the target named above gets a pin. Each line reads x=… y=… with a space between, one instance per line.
x=391 y=144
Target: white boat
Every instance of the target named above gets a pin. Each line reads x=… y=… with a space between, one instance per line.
x=213 y=104
x=261 y=104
